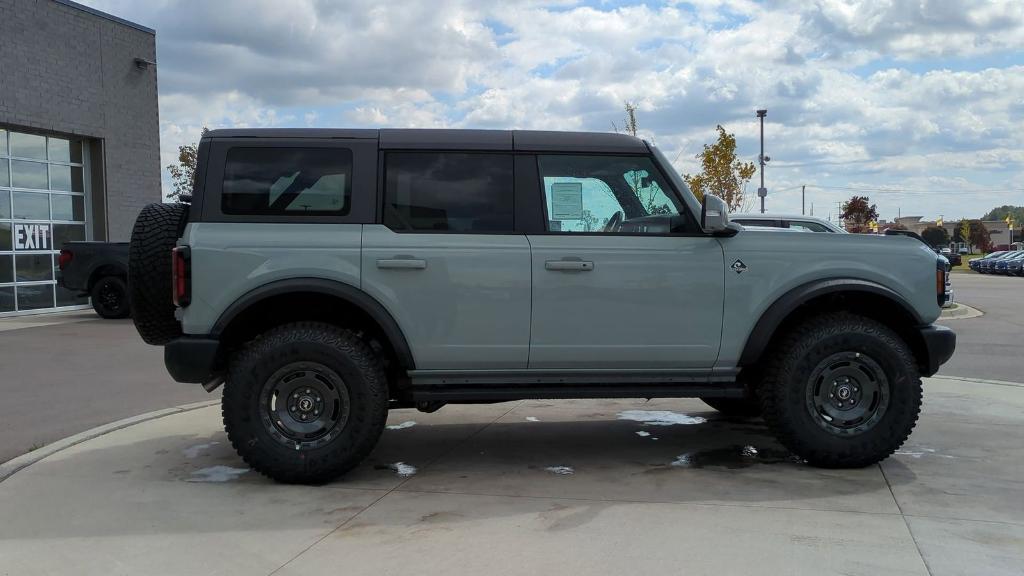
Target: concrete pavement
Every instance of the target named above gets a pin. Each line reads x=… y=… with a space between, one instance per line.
x=572 y=487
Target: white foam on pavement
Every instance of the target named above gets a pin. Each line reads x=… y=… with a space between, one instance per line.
x=660 y=417
x=403 y=469
x=217 y=474
x=561 y=470
x=193 y=451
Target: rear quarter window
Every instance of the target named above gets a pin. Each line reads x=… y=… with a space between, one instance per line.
x=287 y=181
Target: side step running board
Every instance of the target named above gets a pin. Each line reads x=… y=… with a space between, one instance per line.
x=498 y=386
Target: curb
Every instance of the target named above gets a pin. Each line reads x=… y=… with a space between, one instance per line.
x=978 y=381
x=11 y=467
x=960 y=312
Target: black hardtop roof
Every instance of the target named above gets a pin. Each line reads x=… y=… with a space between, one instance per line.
x=452 y=139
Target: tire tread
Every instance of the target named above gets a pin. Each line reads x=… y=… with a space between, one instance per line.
x=857 y=451
x=279 y=343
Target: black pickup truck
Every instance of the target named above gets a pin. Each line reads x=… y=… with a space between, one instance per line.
x=98 y=270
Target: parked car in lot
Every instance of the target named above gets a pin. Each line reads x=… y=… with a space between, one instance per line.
x=1002 y=266
x=1015 y=267
x=953 y=257
x=975 y=263
x=798 y=223
x=987 y=265
x=98 y=270
x=325 y=276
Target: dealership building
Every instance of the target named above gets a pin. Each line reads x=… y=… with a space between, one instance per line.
x=79 y=140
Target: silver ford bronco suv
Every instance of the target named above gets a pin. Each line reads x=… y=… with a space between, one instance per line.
x=326 y=276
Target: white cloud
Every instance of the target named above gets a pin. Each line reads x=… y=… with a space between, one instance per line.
x=909 y=95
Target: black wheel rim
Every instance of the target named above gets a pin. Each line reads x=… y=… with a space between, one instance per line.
x=110 y=297
x=304 y=405
x=847 y=393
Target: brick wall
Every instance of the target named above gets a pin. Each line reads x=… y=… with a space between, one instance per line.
x=64 y=69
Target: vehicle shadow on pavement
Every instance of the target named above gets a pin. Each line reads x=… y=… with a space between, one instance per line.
x=163 y=482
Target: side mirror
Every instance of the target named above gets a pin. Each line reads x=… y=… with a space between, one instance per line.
x=714 y=215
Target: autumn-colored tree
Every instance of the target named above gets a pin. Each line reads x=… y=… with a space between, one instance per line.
x=183 y=174
x=935 y=236
x=857 y=214
x=722 y=174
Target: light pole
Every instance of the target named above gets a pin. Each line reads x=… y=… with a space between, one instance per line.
x=762 y=191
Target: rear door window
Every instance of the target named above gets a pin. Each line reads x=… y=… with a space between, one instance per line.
x=287 y=181
x=456 y=192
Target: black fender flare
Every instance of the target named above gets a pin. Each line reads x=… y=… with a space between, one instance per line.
x=346 y=292
x=777 y=313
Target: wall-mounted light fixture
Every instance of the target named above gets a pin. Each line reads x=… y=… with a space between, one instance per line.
x=142 y=63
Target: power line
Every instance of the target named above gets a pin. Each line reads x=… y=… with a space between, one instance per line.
x=918 y=191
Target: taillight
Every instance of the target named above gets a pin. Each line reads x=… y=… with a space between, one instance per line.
x=181 y=280
x=65 y=257
x=940 y=283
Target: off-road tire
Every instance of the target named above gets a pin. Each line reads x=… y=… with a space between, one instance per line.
x=110 y=298
x=786 y=388
x=739 y=408
x=255 y=365
x=156 y=231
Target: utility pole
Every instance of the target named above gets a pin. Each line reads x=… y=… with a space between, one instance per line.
x=762 y=191
x=803 y=198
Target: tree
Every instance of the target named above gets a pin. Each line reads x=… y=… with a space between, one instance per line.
x=183 y=174
x=1000 y=213
x=936 y=236
x=721 y=172
x=962 y=232
x=589 y=221
x=979 y=236
x=857 y=214
x=651 y=197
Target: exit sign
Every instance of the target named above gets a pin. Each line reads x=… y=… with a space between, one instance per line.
x=32 y=237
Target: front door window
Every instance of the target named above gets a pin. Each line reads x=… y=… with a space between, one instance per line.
x=606 y=194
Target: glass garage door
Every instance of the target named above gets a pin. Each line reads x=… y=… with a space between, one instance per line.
x=42 y=205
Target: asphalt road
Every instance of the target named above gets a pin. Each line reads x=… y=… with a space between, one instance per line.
x=989 y=346
x=59 y=380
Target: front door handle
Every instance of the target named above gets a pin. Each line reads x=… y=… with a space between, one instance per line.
x=569 y=265
x=402 y=264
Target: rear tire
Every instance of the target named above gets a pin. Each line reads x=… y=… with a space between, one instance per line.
x=305 y=402
x=842 y=391
x=156 y=231
x=747 y=407
x=110 y=298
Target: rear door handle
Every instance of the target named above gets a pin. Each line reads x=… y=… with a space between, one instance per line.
x=569 y=265
x=402 y=264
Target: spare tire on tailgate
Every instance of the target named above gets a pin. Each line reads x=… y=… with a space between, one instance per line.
x=155 y=234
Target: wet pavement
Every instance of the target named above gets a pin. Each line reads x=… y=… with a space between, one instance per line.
x=571 y=487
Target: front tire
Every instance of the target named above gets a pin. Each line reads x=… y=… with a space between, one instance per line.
x=843 y=391
x=110 y=298
x=305 y=402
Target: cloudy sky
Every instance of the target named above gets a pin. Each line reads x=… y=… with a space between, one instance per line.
x=918 y=104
